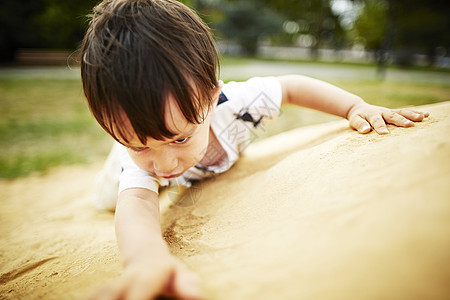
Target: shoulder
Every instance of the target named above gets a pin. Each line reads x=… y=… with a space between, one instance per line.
x=132 y=176
x=247 y=91
x=259 y=96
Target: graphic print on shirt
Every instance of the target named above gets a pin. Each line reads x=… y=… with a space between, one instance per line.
x=245 y=116
x=222 y=98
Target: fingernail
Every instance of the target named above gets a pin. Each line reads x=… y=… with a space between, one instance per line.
x=383 y=131
x=365 y=128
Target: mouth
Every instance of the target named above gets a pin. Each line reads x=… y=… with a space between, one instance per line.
x=171 y=176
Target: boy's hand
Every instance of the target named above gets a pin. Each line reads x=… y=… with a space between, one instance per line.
x=363 y=117
x=148 y=281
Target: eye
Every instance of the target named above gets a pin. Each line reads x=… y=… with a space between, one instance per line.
x=182 y=141
x=139 y=149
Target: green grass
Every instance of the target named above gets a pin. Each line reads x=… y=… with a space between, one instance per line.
x=397 y=94
x=46 y=122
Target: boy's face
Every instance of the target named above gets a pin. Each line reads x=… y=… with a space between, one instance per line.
x=172 y=157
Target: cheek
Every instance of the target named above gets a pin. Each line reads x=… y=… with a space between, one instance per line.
x=141 y=160
x=192 y=154
x=197 y=148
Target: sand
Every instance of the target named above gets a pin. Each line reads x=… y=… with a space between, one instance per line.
x=320 y=212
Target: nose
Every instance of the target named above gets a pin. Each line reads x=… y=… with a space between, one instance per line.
x=165 y=163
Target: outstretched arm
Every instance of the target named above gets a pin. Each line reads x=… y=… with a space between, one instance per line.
x=319 y=95
x=149 y=269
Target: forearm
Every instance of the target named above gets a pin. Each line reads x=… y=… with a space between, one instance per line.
x=138 y=228
x=150 y=270
x=312 y=93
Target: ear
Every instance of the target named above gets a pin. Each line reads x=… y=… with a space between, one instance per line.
x=216 y=92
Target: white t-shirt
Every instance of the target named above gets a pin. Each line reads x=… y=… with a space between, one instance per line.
x=242 y=107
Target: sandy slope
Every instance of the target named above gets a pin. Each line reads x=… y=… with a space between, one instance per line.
x=316 y=213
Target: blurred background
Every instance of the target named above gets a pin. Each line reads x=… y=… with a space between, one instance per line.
x=391 y=52
x=403 y=32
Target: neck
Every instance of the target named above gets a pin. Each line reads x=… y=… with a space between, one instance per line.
x=215 y=154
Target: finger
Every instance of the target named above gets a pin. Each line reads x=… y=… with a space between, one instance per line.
x=146 y=288
x=392 y=117
x=359 y=124
x=425 y=114
x=378 y=124
x=186 y=284
x=416 y=116
x=107 y=292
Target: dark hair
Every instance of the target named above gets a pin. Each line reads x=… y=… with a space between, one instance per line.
x=138 y=52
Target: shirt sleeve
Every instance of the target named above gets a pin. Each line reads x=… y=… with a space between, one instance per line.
x=260 y=96
x=249 y=106
x=134 y=177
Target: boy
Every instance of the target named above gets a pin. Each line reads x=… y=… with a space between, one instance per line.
x=149 y=72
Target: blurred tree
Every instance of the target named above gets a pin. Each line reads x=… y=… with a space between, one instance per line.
x=374 y=28
x=211 y=11
x=421 y=26
x=316 y=18
x=405 y=27
x=247 y=22
x=42 y=24
x=18 y=26
x=371 y=23
x=63 y=23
